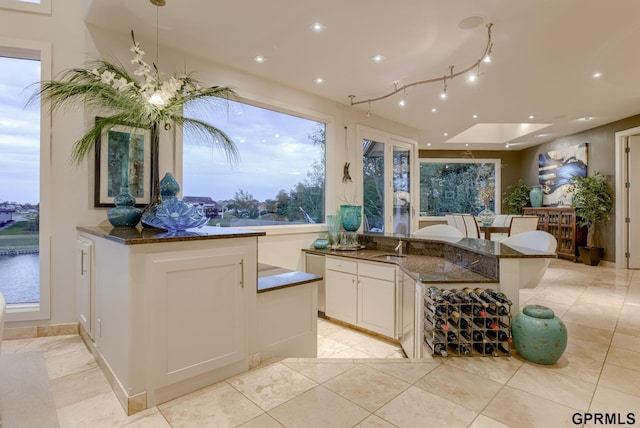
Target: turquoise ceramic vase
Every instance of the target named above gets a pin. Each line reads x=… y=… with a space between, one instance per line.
x=124 y=214
x=535 y=195
x=351 y=216
x=539 y=335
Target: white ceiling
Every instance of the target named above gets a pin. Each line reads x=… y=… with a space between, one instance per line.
x=543 y=58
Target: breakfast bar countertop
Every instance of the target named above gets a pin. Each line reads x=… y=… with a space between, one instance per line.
x=423 y=268
x=149 y=235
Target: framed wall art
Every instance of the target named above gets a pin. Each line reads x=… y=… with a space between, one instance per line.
x=123 y=158
x=555 y=170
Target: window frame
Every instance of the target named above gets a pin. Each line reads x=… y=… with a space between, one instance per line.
x=44 y=7
x=497 y=180
x=30 y=49
x=330 y=171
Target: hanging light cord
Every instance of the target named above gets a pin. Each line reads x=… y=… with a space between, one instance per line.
x=451 y=75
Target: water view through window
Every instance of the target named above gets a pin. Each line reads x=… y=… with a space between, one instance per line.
x=20 y=181
x=279 y=180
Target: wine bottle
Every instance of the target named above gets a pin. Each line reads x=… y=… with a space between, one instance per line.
x=485 y=348
x=462 y=296
x=476 y=311
x=450 y=296
x=460 y=349
x=473 y=336
x=469 y=292
x=499 y=295
x=486 y=323
x=501 y=348
x=452 y=337
x=500 y=335
x=440 y=348
x=498 y=311
x=461 y=323
x=441 y=324
x=487 y=297
x=436 y=310
x=435 y=294
x=452 y=311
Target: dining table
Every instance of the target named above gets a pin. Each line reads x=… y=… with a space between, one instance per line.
x=488 y=230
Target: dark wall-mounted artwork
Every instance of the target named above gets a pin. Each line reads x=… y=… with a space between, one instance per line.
x=555 y=169
x=123 y=158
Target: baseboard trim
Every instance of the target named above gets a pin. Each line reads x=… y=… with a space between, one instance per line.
x=12 y=333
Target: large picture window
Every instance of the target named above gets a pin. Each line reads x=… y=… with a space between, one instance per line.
x=24 y=226
x=280 y=179
x=458 y=186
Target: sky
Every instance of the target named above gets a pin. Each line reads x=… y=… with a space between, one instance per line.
x=275 y=149
x=19 y=132
x=275 y=154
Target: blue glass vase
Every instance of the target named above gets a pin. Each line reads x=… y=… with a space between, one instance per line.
x=351 y=216
x=124 y=214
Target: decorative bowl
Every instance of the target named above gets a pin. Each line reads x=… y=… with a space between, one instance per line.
x=321 y=243
x=176 y=215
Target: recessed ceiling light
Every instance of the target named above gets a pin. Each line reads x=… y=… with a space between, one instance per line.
x=317 y=27
x=446 y=134
x=428 y=144
x=319 y=80
x=507 y=145
x=377 y=58
x=466 y=145
x=475 y=116
x=596 y=75
x=402 y=103
x=586 y=118
x=532 y=117
x=472 y=77
x=433 y=110
x=259 y=59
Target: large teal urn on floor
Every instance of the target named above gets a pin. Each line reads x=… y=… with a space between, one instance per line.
x=351 y=216
x=538 y=335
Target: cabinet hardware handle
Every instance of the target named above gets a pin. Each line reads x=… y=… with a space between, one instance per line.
x=242 y=273
x=82 y=270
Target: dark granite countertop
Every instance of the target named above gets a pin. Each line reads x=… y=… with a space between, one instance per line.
x=149 y=235
x=274 y=278
x=422 y=268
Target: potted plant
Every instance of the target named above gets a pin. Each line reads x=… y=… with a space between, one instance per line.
x=593 y=199
x=516 y=197
x=144 y=99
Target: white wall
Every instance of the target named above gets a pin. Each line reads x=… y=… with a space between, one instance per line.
x=71 y=186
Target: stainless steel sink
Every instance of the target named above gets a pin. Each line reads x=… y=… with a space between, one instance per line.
x=390 y=257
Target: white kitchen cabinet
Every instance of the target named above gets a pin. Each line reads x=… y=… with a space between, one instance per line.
x=363 y=294
x=341 y=289
x=170 y=316
x=377 y=298
x=84 y=283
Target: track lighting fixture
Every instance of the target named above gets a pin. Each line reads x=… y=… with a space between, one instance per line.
x=485 y=57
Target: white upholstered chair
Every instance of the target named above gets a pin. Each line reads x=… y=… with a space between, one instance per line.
x=524 y=223
x=537 y=241
x=440 y=232
x=459 y=223
x=470 y=222
x=3 y=308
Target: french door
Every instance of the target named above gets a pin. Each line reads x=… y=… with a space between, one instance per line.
x=387 y=171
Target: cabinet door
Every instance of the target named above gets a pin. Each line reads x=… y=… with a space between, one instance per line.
x=198 y=314
x=341 y=294
x=84 y=249
x=377 y=298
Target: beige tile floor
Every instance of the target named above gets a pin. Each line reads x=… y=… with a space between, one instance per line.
x=599 y=372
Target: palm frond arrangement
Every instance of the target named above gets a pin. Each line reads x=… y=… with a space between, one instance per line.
x=145 y=100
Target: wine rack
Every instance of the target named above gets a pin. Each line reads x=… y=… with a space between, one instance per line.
x=467 y=329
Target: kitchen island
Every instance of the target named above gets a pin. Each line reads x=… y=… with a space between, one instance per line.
x=389 y=301
x=167 y=313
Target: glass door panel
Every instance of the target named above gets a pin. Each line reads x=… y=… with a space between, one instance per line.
x=373 y=185
x=401 y=190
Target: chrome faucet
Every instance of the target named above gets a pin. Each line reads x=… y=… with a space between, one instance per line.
x=398 y=248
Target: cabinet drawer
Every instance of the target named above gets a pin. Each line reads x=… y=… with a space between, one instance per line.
x=342 y=265
x=378 y=270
